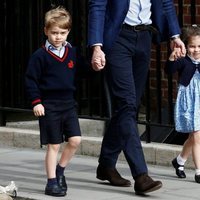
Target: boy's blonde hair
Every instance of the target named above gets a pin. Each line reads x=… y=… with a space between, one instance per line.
x=58 y=17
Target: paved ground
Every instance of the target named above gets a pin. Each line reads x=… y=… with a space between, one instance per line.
x=25 y=167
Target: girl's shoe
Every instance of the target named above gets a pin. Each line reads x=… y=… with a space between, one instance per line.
x=197 y=178
x=179 y=173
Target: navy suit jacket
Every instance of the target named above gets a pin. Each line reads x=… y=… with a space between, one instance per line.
x=107 y=16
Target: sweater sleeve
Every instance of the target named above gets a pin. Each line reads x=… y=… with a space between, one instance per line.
x=83 y=65
x=173 y=66
x=32 y=78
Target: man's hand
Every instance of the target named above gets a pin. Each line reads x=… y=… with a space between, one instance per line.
x=38 y=110
x=98 y=58
x=178 y=43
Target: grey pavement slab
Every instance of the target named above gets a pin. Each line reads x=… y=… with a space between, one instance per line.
x=26 y=168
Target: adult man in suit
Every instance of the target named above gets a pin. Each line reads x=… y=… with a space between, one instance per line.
x=120 y=35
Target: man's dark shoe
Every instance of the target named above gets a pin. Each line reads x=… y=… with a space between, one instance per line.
x=145 y=184
x=179 y=173
x=112 y=176
x=197 y=178
x=62 y=183
x=54 y=190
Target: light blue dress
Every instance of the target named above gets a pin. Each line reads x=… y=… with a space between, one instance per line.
x=187 y=107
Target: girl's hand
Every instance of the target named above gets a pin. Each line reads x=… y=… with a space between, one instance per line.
x=176 y=53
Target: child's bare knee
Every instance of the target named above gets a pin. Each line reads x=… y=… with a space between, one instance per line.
x=75 y=141
x=54 y=147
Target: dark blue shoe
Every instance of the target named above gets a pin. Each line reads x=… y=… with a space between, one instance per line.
x=54 y=190
x=179 y=173
x=62 y=182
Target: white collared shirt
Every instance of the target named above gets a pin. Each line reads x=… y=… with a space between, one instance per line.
x=139 y=12
x=59 y=52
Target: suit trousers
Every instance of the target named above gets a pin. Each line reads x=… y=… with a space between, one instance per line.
x=126 y=70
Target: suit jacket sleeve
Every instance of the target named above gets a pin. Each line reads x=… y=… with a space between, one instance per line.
x=96 y=18
x=171 y=16
x=165 y=19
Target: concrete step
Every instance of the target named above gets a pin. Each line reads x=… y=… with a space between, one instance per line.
x=88 y=127
x=155 y=153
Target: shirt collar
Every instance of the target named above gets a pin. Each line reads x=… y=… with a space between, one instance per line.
x=193 y=60
x=50 y=47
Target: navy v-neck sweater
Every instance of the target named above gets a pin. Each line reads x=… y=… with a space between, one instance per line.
x=49 y=76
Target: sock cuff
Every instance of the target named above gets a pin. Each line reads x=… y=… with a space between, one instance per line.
x=59 y=170
x=197 y=171
x=180 y=160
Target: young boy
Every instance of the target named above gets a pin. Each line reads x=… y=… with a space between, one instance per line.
x=50 y=86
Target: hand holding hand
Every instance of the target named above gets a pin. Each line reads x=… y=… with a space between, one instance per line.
x=176 y=53
x=178 y=43
x=98 y=59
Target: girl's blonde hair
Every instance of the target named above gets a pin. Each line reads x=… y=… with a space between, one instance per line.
x=58 y=17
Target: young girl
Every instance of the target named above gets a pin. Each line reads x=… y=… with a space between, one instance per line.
x=50 y=87
x=187 y=107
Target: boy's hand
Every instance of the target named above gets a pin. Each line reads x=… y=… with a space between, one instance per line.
x=38 y=110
